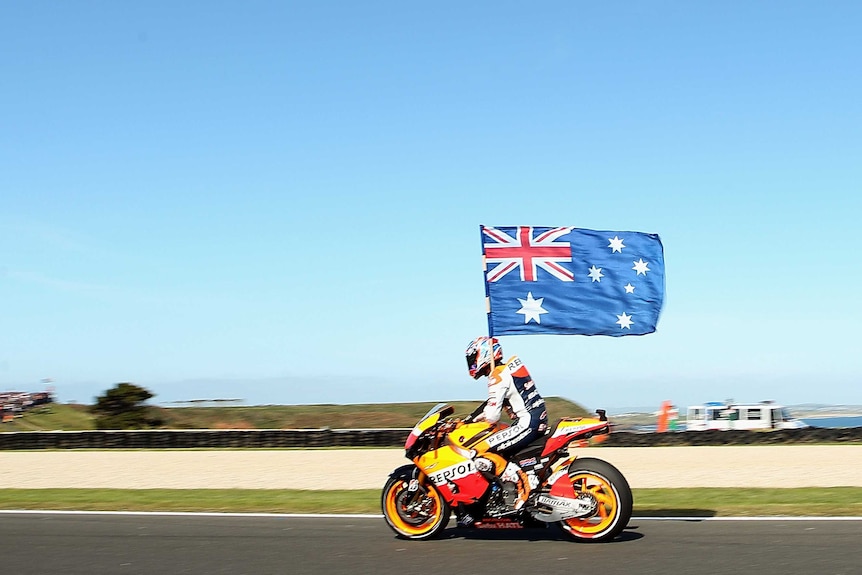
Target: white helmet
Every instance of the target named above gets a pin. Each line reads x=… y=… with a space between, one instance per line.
x=481 y=352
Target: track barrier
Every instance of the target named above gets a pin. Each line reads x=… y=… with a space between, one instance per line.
x=380 y=438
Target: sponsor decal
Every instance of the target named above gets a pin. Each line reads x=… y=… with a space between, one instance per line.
x=452 y=473
x=529 y=385
x=505 y=435
x=499 y=524
x=515 y=363
x=527 y=462
x=557 y=501
x=572 y=429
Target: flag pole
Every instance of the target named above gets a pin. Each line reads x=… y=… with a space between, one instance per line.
x=487 y=294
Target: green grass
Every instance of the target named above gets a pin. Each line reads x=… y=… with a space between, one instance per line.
x=211 y=500
x=50 y=417
x=694 y=502
x=837 y=501
x=76 y=417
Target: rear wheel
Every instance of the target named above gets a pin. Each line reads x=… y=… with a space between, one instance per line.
x=418 y=514
x=606 y=487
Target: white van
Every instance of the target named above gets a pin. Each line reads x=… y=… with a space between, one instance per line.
x=718 y=415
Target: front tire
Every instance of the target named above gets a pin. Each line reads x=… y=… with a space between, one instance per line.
x=418 y=515
x=611 y=494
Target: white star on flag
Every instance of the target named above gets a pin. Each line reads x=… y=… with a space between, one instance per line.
x=625 y=321
x=640 y=267
x=572 y=281
x=596 y=274
x=532 y=308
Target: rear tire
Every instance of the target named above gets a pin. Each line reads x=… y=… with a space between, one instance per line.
x=417 y=515
x=612 y=495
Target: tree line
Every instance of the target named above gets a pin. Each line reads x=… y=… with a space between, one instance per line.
x=124 y=407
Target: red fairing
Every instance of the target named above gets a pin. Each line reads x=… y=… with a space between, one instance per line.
x=411 y=439
x=568 y=431
x=555 y=443
x=563 y=487
x=469 y=489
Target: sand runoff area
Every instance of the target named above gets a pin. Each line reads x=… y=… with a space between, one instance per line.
x=713 y=466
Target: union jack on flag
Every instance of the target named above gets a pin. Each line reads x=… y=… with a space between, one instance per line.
x=572 y=280
x=527 y=251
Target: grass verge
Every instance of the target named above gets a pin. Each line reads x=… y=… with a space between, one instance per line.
x=691 y=502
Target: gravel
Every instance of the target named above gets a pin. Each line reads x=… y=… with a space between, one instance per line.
x=713 y=466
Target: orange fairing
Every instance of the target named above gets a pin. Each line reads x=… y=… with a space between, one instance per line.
x=574 y=429
x=453 y=474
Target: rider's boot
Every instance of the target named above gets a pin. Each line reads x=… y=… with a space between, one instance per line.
x=464 y=519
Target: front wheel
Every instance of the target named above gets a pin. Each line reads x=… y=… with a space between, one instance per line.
x=611 y=495
x=417 y=514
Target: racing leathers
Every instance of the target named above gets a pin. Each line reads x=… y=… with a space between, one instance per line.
x=510 y=385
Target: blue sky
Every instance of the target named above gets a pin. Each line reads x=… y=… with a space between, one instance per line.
x=280 y=201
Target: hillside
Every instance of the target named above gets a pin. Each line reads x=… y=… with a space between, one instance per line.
x=75 y=417
x=50 y=417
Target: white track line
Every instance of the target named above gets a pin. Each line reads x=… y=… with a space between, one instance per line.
x=361 y=516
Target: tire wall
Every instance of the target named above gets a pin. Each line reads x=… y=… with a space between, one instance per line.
x=316 y=438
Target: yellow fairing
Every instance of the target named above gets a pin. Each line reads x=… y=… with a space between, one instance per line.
x=438 y=459
x=426 y=424
x=473 y=435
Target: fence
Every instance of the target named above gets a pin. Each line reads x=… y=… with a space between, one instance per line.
x=381 y=438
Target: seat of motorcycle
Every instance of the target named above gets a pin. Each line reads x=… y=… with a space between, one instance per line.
x=533 y=449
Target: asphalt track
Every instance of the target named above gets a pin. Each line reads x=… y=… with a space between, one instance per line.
x=102 y=544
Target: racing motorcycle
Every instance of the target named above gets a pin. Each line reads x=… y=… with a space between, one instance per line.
x=542 y=484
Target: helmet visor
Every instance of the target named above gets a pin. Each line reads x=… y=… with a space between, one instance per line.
x=471 y=361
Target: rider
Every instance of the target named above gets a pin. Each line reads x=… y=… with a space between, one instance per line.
x=509 y=386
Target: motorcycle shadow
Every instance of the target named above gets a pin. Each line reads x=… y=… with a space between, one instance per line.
x=549 y=533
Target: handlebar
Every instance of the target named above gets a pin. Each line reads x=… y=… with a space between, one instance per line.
x=476 y=412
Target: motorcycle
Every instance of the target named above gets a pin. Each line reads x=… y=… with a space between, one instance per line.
x=542 y=484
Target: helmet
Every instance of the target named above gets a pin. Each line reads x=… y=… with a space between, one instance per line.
x=479 y=355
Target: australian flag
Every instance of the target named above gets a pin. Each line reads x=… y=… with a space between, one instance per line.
x=572 y=281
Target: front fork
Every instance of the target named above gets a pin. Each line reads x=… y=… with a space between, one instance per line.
x=414 y=478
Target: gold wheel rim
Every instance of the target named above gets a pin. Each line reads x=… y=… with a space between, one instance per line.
x=607 y=504
x=396 y=512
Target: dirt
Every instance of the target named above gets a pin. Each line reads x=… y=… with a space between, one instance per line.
x=701 y=466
